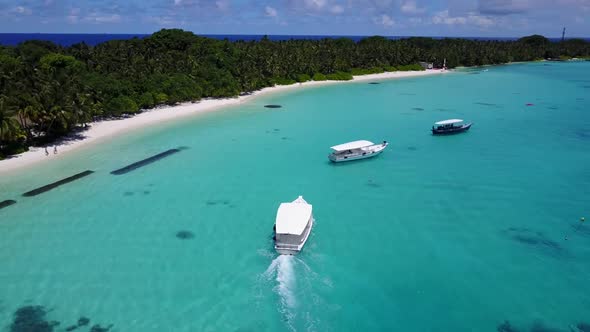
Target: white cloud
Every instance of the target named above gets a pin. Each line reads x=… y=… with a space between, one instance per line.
x=315 y=4
x=270 y=12
x=162 y=21
x=384 y=20
x=584 y=5
x=481 y=21
x=74 y=15
x=22 y=10
x=410 y=7
x=222 y=5
x=98 y=18
x=443 y=17
x=337 y=9
x=504 y=7
x=186 y=3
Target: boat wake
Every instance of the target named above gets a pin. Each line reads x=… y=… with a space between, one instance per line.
x=282 y=269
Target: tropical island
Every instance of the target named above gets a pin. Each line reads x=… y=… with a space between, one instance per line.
x=47 y=91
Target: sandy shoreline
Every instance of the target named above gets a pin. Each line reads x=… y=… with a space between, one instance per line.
x=110 y=128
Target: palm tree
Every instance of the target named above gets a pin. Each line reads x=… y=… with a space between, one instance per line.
x=8 y=125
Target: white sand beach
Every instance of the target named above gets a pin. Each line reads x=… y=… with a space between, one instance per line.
x=98 y=131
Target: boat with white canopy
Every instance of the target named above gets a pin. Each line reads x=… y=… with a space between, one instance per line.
x=293 y=226
x=356 y=150
x=451 y=126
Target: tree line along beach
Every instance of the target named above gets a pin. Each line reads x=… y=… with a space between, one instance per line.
x=50 y=93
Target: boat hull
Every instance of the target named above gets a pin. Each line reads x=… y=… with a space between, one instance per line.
x=453 y=131
x=357 y=156
x=288 y=249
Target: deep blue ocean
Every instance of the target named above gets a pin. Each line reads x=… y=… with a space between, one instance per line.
x=67 y=39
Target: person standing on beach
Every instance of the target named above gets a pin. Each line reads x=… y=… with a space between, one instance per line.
x=46 y=152
x=55 y=149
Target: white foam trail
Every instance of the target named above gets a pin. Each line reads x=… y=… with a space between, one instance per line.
x=286 y=279
x=283 y=268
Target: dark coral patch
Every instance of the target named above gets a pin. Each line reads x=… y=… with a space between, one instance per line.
x=374 y=83
x=218 y=201
x=31 y=319
x=540 y=327
x=506 y=327
x=582 y=229
x=417 y=108
x=83 y=321
x=412 y=148
x=373 y=184
x=582 y=134
x=98 y=328
x=534 y=239
x=185 y=235
x=273 y=106
x=487 y=104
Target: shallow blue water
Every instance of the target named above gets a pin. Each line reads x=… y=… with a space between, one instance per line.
x=454 y=233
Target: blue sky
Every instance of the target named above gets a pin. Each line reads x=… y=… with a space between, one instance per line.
x=499 y=18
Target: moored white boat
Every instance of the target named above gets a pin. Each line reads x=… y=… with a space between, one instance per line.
x=356 y=150
x=293 y=226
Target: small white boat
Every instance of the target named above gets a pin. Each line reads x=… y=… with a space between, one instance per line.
x=356 y=150
x=293 y=226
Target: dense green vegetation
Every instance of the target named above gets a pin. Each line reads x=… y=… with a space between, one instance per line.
x=47 y=91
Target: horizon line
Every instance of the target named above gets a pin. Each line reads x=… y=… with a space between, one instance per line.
x=265 y=34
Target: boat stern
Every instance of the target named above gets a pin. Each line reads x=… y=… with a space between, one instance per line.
x=285 y=249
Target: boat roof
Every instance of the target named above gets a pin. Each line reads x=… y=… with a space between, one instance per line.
x=446 y=122
x=352 y=145
x=292 y=218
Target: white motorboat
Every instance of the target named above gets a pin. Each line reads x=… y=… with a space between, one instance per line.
x=293 y=226
x=356 y=150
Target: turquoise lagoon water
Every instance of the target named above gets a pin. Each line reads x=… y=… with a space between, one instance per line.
x=455 y=233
